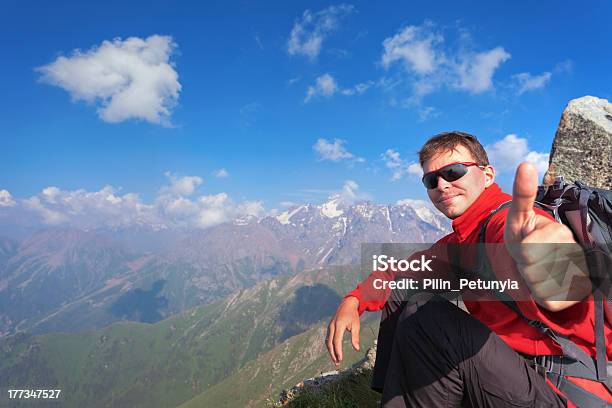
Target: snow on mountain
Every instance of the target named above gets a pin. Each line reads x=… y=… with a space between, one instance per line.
x=285 y=217
x=245 y=220
x=426 y=212
x=330 y=208
x=332 y=232
x=388 y=218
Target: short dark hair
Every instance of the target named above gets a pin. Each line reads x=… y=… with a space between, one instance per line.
x=448 y=141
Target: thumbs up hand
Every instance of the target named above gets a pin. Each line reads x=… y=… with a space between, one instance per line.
x=546 y=254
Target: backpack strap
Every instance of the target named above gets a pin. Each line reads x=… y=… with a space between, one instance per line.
x=600 y=342
x=583 y=205
x=579 y=396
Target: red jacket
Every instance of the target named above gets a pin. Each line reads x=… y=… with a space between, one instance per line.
x=576 y=322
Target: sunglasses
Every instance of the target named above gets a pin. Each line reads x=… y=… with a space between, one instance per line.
x=450 y=172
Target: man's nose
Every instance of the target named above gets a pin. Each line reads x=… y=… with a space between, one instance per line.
x=442 y=184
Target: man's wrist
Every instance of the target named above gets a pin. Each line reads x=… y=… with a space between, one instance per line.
x=352 y=300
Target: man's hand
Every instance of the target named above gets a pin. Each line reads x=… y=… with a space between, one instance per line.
x=555 y=270
x=346 y=318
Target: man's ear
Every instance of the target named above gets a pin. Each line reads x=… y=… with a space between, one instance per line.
x=489 y=172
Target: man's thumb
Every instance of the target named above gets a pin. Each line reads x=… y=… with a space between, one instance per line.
x=524 y=192
x=525 y=189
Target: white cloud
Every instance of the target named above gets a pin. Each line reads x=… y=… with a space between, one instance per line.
x=388 y=84
x=334 y=151
x=221 y=173
x=252 y=208
x=476 y=70
x=428 y=65
x=415 y=169
x=325 y=85
x=87 y=209
x=349 y=193
x=212 y=210
x=310 y=31
x=51 y=194
x=339 y=53
x=176 y=206
x=422 y=87
x=49 y=216
x=506 y=154
x=292 y=81
x=6 y=199
x=125 y=79
x=218 y=208
x=357 y=89
x=526 y=82
x=428 y=112
x=539 y=160
x=414 y=47
x=250 y=108
x=399 y=166
x=184 y=186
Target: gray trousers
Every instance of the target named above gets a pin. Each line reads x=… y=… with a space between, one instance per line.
x=437 y=355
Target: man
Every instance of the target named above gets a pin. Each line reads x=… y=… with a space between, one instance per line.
x=438 y=355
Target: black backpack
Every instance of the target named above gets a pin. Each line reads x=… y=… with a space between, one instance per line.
x=587 y=212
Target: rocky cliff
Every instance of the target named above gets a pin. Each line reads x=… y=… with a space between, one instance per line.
x=582 y=148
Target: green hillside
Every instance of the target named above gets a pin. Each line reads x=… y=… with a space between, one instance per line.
x=169 y=362
x=158 y=290
x=298 y=358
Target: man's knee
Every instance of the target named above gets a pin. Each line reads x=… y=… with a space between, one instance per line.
x=441 y=322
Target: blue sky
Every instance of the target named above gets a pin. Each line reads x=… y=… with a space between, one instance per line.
x=233 y=79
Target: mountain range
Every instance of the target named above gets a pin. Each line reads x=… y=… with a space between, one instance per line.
x=62 y=279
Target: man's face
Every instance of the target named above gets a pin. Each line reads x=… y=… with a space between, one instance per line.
x=454 y=198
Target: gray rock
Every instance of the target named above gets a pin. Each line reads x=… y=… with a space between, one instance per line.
x=582 y=149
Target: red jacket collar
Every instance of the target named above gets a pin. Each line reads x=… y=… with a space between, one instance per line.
x=488 y=200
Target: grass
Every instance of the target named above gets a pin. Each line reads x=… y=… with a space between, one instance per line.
x=348 y=391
